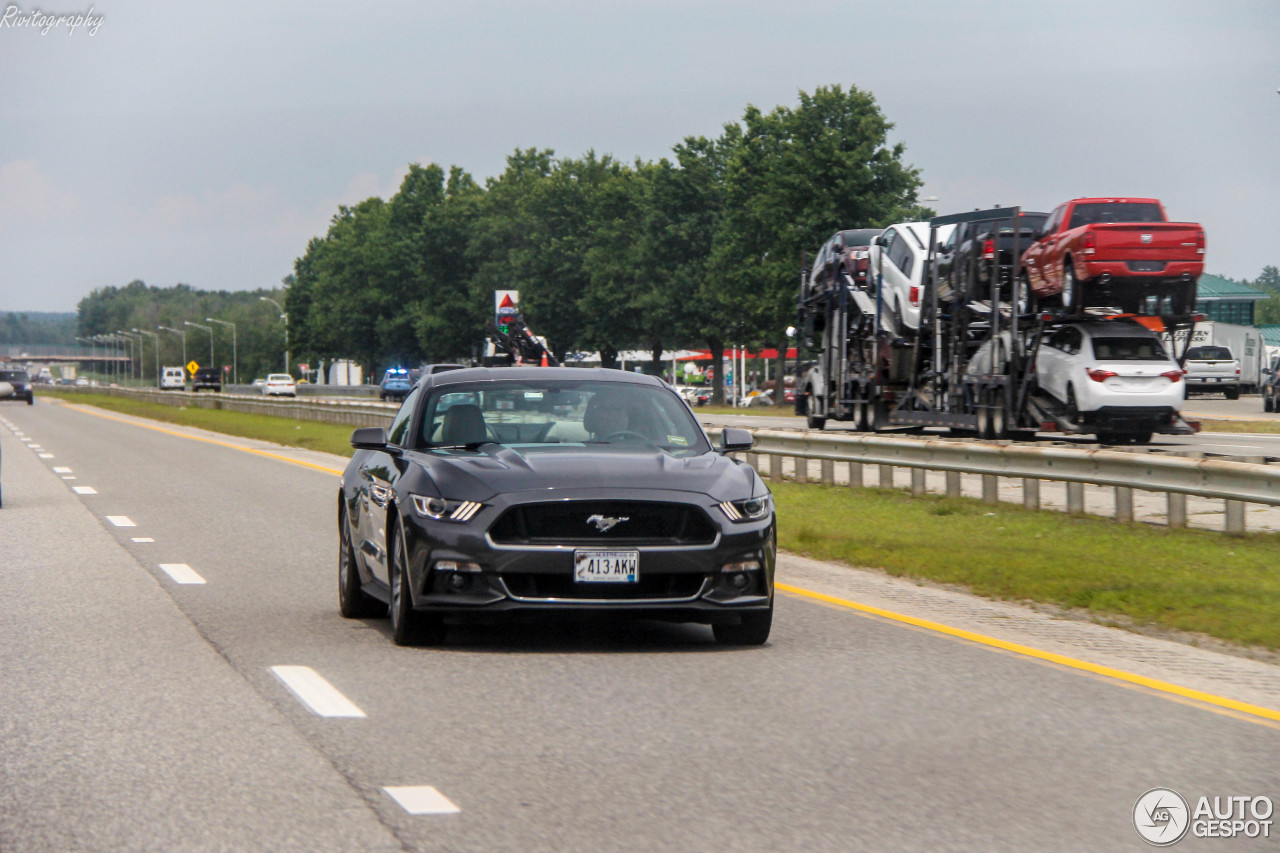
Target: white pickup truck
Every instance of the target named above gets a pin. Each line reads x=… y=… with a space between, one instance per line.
x=1211 y=369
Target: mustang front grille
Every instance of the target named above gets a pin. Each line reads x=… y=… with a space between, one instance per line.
x=597 y=523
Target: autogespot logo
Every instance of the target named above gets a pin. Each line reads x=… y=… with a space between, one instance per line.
x=1161 y=817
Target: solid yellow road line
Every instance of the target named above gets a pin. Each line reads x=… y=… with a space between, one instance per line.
x=227 y=444
x=1063 y=660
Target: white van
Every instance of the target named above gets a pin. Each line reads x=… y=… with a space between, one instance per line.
x=173 y=378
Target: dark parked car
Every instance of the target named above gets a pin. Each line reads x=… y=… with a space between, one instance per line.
x=209 y=378
x=975 y=251
x=552 y=492
x=16 y=385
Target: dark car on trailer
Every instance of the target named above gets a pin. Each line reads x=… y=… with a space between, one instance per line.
x=976 y=252
x=502 y=493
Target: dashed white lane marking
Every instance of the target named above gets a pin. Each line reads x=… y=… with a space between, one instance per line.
x=121 y=521
x=143 y=539
x=35 y=447
x=24 y=438
x=422 y=799
x=181 y=573
x=61 y=469
x=316 y=693
x=84 y=490
x=69 y=477
x=46 y=455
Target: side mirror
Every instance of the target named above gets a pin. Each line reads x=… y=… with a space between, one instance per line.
x=369 y=438
x=881 y=241
x=734 y=439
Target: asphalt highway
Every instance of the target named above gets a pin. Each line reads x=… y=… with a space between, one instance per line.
x=175 y=676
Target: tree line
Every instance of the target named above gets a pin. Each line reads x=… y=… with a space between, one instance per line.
x=698 y=249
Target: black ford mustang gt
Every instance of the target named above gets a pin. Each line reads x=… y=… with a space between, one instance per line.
x=505 y=492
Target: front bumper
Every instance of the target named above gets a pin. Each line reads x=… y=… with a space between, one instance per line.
x=682 y=583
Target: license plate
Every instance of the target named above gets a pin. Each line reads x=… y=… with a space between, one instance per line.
x=606 y=566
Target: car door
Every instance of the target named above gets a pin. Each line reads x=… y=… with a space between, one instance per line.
x=1035 y=257
x=1049 y=364
x=378 y=476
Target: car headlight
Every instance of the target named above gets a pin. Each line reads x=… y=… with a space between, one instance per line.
x=443 y=509
x=751 y=509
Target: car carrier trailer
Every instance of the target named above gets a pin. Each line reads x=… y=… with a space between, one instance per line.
x=969 y=367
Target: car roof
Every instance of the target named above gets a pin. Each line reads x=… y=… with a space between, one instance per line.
x=510 y=374
x=1116 y=329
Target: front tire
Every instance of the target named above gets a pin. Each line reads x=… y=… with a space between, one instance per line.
x=408 y=626
x=1070 y=289
x=352 y=602
x=1231 y=393
x=753 y=630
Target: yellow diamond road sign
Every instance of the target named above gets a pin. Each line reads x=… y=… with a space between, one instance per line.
x=192 y=367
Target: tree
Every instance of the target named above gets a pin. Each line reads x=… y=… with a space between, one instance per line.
x=1268 y=310
x=796 y=176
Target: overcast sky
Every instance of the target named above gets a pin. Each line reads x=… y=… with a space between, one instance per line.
x=207 y=143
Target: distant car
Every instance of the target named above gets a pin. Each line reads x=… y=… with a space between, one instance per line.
x=173 y=379
x=1211 y=369
x=898 y=258
x=395 y=384
x=501 y=493
x=280 y=385
x=258 y=383
x=694 y=395
x=16 y=385
x=207 y=378
x=1114 y=375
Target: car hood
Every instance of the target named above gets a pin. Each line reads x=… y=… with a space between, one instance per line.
x=493 y=470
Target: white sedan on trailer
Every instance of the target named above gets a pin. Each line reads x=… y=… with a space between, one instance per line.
x=1112 y=375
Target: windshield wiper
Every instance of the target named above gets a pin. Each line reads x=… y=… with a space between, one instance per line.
x=473 y=445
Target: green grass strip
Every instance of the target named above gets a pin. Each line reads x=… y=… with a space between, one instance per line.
x=1188 y=580
x=312 y=435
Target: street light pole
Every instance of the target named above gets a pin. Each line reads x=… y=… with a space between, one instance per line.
x=93 y=351
x=182 y=332
x=235 y=363
x=157 y=348
x=132 y=342
x=207 y=329
x=284 y=315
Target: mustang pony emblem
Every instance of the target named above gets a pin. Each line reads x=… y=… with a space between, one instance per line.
x=605 y=523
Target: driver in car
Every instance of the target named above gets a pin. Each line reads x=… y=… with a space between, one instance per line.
x=615 y=416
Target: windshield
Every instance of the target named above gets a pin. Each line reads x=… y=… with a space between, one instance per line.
x=860 y=237
x=1128 y=349
x=549 y=412
x=1115 y=211
x=1209 y=354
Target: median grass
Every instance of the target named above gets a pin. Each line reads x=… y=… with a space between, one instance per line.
x=1186 y=580
x=1211 y=425
x=312 y=435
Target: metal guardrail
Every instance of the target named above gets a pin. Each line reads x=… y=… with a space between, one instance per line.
x=1237 y=483
x=350 y=412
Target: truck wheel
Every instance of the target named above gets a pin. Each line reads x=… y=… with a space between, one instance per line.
x=1184 y=300
x=1231 y=393
x=1143 y=437
x=995 y=399
x=813 y=421
x=1070 y=289
x=1267 y=404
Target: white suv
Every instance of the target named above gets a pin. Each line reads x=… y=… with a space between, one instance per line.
x=898 y=256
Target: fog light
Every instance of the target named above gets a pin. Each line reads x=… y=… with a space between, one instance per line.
x=741 y=566
x=457 y=581
x=455 y=566
x=740 y=581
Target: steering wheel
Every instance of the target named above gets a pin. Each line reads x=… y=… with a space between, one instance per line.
x=623 y=434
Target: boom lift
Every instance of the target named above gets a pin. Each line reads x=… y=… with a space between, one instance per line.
x=969 y=367
x=513 y=344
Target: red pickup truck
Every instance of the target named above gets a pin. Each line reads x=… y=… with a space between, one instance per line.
x=1115 y=252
